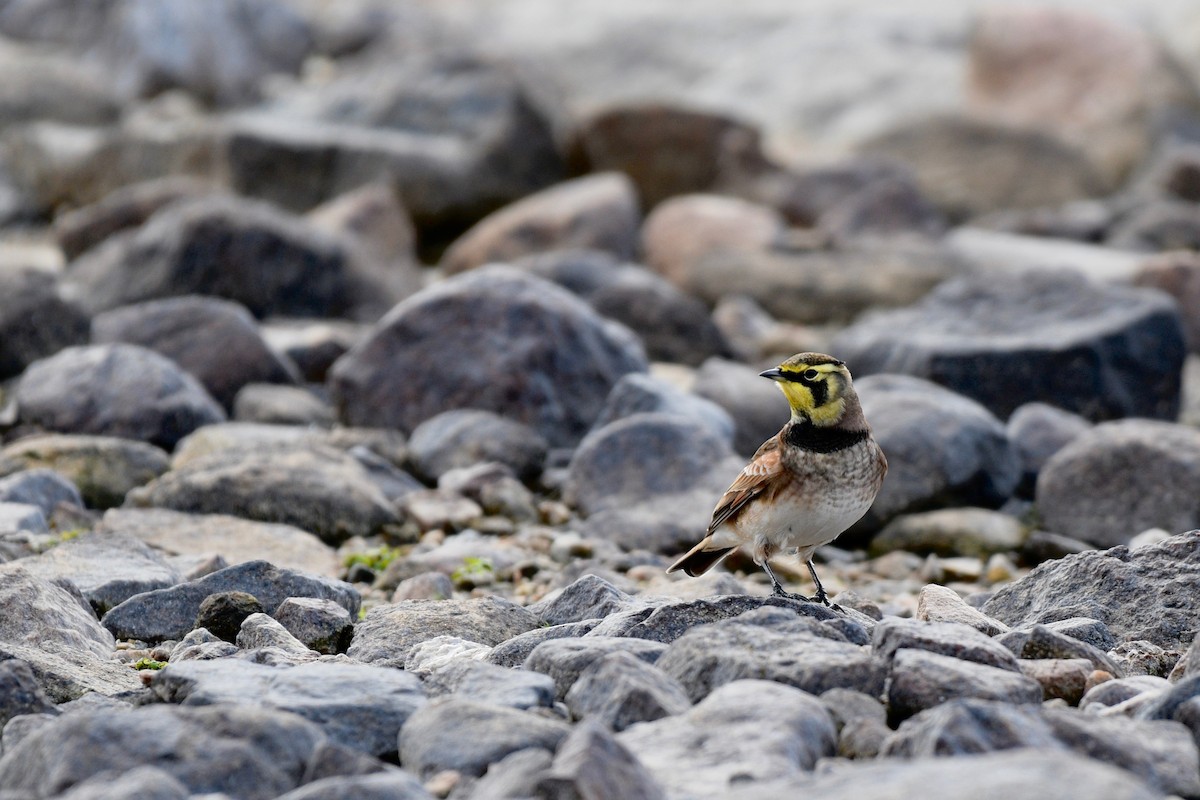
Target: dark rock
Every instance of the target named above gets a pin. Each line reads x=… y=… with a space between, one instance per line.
x=512 y=653
x=464 y=437
x=355 y=705
x=884 y=208
x=804 y=194
x=400 y=376
x=591 y=763
x=43 y=488
x=1178 y=274
x=312 y=345
x=388 y=633
x=641 y=393
x=103 y=468
x=53 y=629
x=765 y=730
x=138 y=782
x=223 y=613
x=277 y=404
x=481 y=682
x=1038 y=431
x=170 y=613
x=1157 y=226
x=215 y=340
x=984 y=336
x=921 y=679
x=757 y=408
x=945 y=638
x=322 y=625
x=1046 y=546
x=20 y=692
x=464 y=736
x=1041 y=641
x=594 y=212
x=515 y=775
x=943 y=449
x=116 y=390
x=1089 y=631
x=1060 y=678
x=961 y=726
x=1120 y=478
x=37 y=320
x=566 y=659
x=194 y=745
x=244 y=251
x=1144 y=594
x=621 y=689
x=390 y=785
x=316 y=488
x=861 y=722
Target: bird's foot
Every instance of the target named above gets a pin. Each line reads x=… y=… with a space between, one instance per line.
x=821 y=597
x=778 y=590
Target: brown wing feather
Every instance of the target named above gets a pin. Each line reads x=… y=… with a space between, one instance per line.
x=757 y=476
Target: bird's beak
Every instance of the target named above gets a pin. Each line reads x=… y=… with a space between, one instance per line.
x=774 y=374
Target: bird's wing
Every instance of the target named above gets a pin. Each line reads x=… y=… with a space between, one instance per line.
x=763 y=472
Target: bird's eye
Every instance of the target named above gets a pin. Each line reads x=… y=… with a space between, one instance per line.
x=811 y=374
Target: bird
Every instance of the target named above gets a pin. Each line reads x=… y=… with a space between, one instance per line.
x=805 y=485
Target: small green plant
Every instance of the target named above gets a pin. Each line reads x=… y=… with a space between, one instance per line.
x=377 y=559
x=473 y=567
x=148 y=663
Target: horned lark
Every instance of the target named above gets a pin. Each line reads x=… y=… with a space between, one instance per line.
x=804 y=486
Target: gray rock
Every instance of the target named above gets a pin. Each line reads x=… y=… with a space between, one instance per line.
x=756 y=406
x=315 y=488
x=962 y=726
x=138 y=782
x=515 y=775
x=587 y=597
x=975 y=532
x=1168 y=703
x=241 y=250
x=312 y=345
x=20 y=692
x=920 y=679
x=425 y=586
x=440 y=509
x=23 y=531
x=1043 y=641
x=885 y=208
x=193 y=745
x=939 y=604
x=1144 y=594
x=1139 y=657
x=801 y=652
x=1038 y=431
x=621 y=689
x=106 y=568
x=215 y=340
x=481 y=682
x=237 y=540
x=1063 y=679
x=494 y=488
x=355 y=705
x=763 y=729
x=391 y=785
x=566 y=659
x=37 y=320
x=1120 y=478
x=861 y=722
x=1156 y=226
x=222 y=613
x=1107 y=694
x=170 y=613
x=1088 y=631
x=201 y=644
x=997 y=776
x=946 y=638
x=591 y=763
x=53 y=629
x=115 y=390
x=276 y=404
x=465 y=736
x=1189 y=662
x=388 y=633
x=464 y=437
x=320 y=624
x=259 y=631
x=943 y=449
x=638 y=392
x=43 y=488
x=513 y=652
x=975 y=335
x=104 y=468
x=441 y=651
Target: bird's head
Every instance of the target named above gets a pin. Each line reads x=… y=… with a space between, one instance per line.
x=816 y=386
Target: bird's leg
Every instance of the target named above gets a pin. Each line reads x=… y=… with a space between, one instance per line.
x=777 y=587
x=820 y=596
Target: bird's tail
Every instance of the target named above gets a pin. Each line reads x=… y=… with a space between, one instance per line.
x=698 y=560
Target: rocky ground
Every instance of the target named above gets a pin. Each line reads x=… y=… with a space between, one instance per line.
x=360 y=380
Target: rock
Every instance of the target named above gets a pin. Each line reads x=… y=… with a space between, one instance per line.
x=516 y=650
x=138 y=782
x=244 y=251
x=312 y=345
x=591 y=763
x=23 y=530
x=942 y=449
x=641 y=393
x=921 y=679
x=597 y=211
x=1073 y=221
x=1079 y=493
x=802 y=653
x=1045 y=546
x=215 y=340
x=464 y=736
x=115 y=390
x=320 y=624
x=515 y=775
x=1141 y=689
x=757 y=409
x=963 y=726
x=976 y=532
x=357 y=706
x=425 y=586
x=37 y=320
x=1060 y=678
x=566 y=659
x=861 y=722
x=494 y=488
x=1041 y=641
x=315 y=488
x=986 y=252
x=275 y=404
x=107 y=569
x=1038 y=431
x=441 y=651
x=399 y=377
x=938 y=604
x=223 y=613
x=885 y=208
x=1189 y=662
x=620 y=689
x=238 y=540
x=956 y=160
x=194 y=745
x=388 y=633
x=104 y=468
x=1156 y=226
x=481 y=682
x=973 y=335
x=43 y=488
x=464 y=437
x=1089 y=631
x=54 y=630
x=170 y=613
x=1144 y=658
x=766 y=731
x=944 y=638
x=390 y=785
x=375 y=216
x=440 y=509
x=1177 y=274
x=1144 y=594
x=588 y=597
x=20 y=692
x=262 y=634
